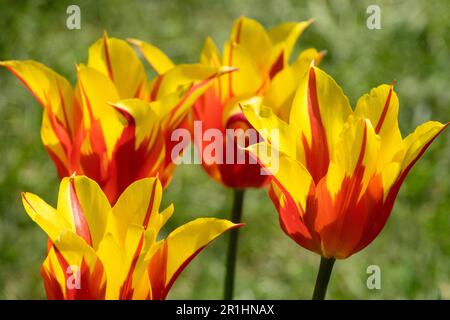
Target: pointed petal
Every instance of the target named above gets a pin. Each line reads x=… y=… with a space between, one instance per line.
x=139 y=205
x=417 y=142
x=210 y=54
x=180 y=88
x=319 y=111
x=44 y=215
x=253 y=39
x=357 y=151
x=153 y=55
x=284 y=36
x=381 y=107
x=280 y=93
x=248 y=79
x=49 y=88
x=105 y=123
x=183 y=244
x=271 y=128
x=116 y=59
x=83 y=202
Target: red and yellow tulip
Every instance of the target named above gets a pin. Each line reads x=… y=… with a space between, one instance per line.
x=101 y=252
x=94 y=128
x=262 y=60
x=339 y=170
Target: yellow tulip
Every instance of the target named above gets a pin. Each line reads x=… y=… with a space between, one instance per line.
x=101 y=252
x=339 y=170
x=98 y=128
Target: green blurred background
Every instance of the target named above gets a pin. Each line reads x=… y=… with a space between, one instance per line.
x=413 y=251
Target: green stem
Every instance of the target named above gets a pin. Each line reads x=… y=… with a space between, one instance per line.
x=236 y=215
x=323 y=277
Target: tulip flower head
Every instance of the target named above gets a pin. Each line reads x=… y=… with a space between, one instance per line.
x=98 y=128
x=339 y=170
x=261 y=58
x=101 y=252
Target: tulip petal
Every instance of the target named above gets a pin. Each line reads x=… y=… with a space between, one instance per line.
x=105 y=123
x=356 y=152
x=417 y=142
x=253 y=39
x=87 y=207
x=54 y=277
x=274 y=130
x=73 y=252
x=45 y=215
x=289 y=175
x=210 y=54
x=248 y=80
x=116 y=59
x=153 y=55
x=180 y=88
x=281 y=90
x=55 y=94
x=319 y=111
x=381 y=107
x=179 y=248
x=284 y=36
x=144 y=116
x=49 y=88
x=139 y=205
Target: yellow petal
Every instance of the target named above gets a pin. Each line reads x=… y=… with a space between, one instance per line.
x=417 y=142
x=139 y=205
x=284 y=36
x=82 y=263
x=357 y=149
x=145 y=116
x=210 y=54
x=52 y=272
x=97 y=92
x=288 y=174
x=49 y=88
x=381 y=107
x=113 y=259
x=45 y=215
x=319 y=101
x=280 y=93
x=271 y=128
x=181 y=86
x=186 y=241
x=116 y=59
x=82 y=202
x=154 y=56
x=74 y=249
x=248 y=79
x=252 y=39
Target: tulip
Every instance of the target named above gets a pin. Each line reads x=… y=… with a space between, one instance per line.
x=94 y=128
x=101 y=252
x=339 y=170
x=261 y=58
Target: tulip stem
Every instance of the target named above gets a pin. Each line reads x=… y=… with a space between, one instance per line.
x=236 y=215
x=323 y=277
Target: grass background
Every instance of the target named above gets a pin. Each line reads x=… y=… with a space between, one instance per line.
x=413 y=251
